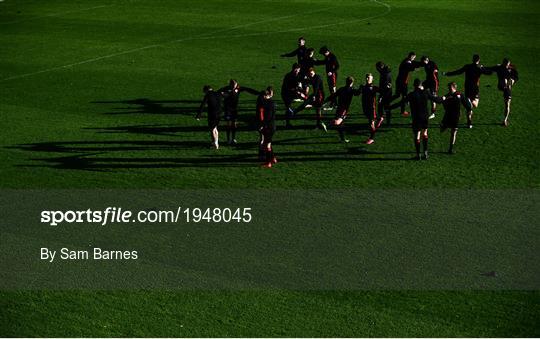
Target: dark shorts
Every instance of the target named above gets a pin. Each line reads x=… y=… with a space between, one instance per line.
x=402 y=89
x=472 y=92
x=419 y=124
x=231 y=115
x=213 y=123
x=450 y=120
x=267 y=133
x=507 y=93
x=432 y=86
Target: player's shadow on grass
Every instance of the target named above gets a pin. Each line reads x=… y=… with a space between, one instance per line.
x=114 y=155
x=187 y=107
x=201 y=127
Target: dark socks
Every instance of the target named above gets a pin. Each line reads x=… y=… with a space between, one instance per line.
x=341 y=132
x=269 y=155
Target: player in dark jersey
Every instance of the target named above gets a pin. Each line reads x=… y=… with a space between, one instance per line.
x=289 y=91
x=418 y=101
x=385 y=91
x=315 y=98
x=432 y=81
x=231 y=94
x=406 y=66
x=212 y=100
x=299 y=52
x=266 y=113
x=343 y=98
x=452 y=103
x=308 y=62
x=507 y=76
x=369 y=106
x=472 y=71
x=332 y=66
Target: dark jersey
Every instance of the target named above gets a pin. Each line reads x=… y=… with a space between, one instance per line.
x=232 y=95
x=331 y=63
x=300 y=53
x=452 y=102
x=212 y=100
x=307 y=63
x=369 y=100
x=344 y=96
x=504 y=75
x=290 y=83
x=432 y=75
x=472 y=74
x=266 y=111
x=419 y=104
x=385 y=79
x=452 y=108
x=405 y=69
x=317 y=84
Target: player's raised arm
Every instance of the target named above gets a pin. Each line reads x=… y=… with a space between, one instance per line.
x=456 y=72
x=437 y=99
x=250 y=90
x=488 y=70
x=290 y=54
x=299 y=52
x=416 y=64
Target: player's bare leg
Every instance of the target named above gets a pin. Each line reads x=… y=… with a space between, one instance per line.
x=215 y=138
x=506 y=111
x=269 y=158
x=474 y=104
x=417 y=144
x=425 y=143
x=340 y=126
x=373 y=129
x=453 y=134
x=433 y=109
x=261 y=146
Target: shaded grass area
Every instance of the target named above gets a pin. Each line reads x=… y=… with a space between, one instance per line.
x=271 y=313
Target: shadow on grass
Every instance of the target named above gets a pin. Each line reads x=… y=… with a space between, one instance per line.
x=190 y=107
x=135 y=154
x=96 y=155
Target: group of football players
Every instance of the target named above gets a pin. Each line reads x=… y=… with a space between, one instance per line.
x=304 y=85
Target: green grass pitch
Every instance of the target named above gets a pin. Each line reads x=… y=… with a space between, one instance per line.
x=102 y=94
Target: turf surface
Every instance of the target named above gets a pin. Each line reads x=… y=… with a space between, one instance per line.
x=103 y=93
